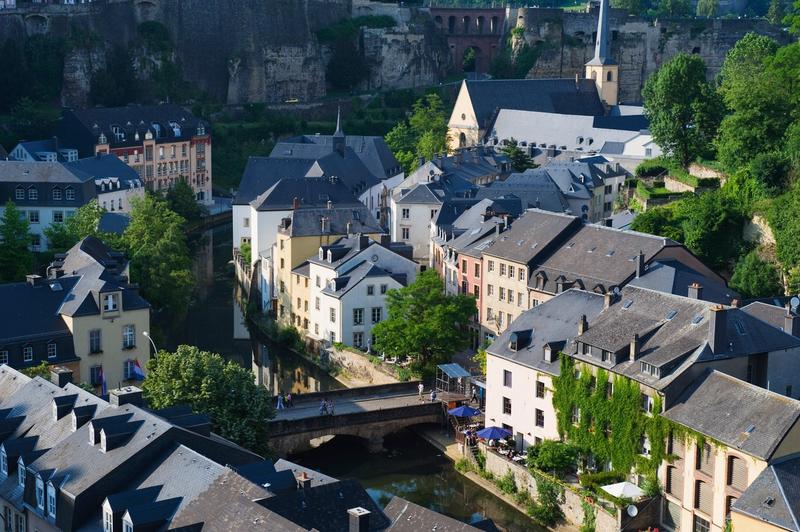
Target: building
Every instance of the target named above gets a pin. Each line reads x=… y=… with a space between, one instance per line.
x=73 y=461
x=349 y=280
x=300 y=235
x=522 y=361
x=753 y=437
x=47 y=150
x=596 y=95
x=116 y=183
x=163 y=143
x=45 y=192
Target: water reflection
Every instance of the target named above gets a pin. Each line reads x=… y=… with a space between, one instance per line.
x=215 y=322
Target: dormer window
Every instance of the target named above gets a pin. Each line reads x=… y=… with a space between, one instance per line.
x=69 y=194
x=21 y=473
x=51 y=500
x=57 y=194
x=33 y=194
x=3 y=462
x=127 y=526
x=110 y=303
x=40 y=493
x=19 y=193
x=108 y=521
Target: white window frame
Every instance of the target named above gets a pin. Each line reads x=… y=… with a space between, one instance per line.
x=129 y=336
x=52 y=350
x=21 y=473
x=40 y=493
x=27 y=354
x=3 y=462
x=4 y=356
x=51 y=500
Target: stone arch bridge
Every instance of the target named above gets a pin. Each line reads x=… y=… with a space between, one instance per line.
x=369 y=412
x=480 y=30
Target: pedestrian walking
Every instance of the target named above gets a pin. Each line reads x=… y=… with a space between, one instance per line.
x=323 y=407
x=330 y=407
x=280 y=401
x=289 y=400
x=474 y=395
x=421 y=389
x=433 y=395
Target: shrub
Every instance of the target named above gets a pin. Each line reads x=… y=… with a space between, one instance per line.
x=463 y=465
x=546 y=509
x=507 y=484
x=403 y=374
x=553 y=456
x=652 y=167
x=593 y=481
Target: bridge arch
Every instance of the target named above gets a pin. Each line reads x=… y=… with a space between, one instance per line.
x=36 y=23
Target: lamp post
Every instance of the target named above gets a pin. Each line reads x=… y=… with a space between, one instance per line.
x=147 y=335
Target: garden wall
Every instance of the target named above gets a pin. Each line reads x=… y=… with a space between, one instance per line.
x=571 y=507
x=359 y=367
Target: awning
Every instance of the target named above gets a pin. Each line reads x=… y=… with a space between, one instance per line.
x=453 y=370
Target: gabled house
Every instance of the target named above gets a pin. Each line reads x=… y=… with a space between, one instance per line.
x=116 y=183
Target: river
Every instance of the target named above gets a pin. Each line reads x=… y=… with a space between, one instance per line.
x=409 y=466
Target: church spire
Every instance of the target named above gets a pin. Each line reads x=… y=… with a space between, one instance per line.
x=602 y=47
x=339 y=140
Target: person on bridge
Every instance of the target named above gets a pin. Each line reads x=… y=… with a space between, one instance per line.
x=330 y=407
x=280 y=401
x=433 y=395
x=421 y=389
x=323 y=407
x=289 y=400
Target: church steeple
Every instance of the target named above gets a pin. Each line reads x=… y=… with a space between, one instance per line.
x=339 y=140
x=602 y=68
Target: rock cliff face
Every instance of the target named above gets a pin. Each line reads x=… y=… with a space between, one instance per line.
x=566 y=43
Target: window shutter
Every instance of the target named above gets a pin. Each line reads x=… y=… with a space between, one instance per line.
x=703 y=498
x=672 y=516
x=737 y=473
x=674 y=482
x=705 y=459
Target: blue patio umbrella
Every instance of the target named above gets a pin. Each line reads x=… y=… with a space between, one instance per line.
x=493 y=433
x=464 y=411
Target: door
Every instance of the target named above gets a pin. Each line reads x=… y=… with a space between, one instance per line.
x=519 y=441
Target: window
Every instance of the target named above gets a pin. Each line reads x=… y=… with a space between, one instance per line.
x=521 y=274
x=489 y=290
x=404 y=232
x=510 y=271
x=58 y=217
x=506 y=405
x=51 y=501
x=502 y=268
x=489 y=313
x=540 y=389
x=316 y=328
x=33 y=194
x=4 y=357
x=477 y=291
x=246 y=221
x=384 y=288
x=27 y=354
x=40 y=493
x=737 y=473
x=477 y=270
x=51 y=350
x=95 y=345
x=406 y=214
x=282 y=263
x=317 y=281
x=358 y=316
x=490 y=266
x=502 y=293
x=3 y=462
x=700 y=524
x=110 y=303
x=576 y=415
x=129 y=336
x=19 y=193
x=33 y=217
x=647 y=403
x=370 y=290
x=539 y=418
x=511 y=296
x=333 y=315
x=127 y=369
x=377 y=314
x=108 y=522
x=586 y=349
x=605 y=355
x=96 y=375
x=332 y=336
x=316 y=303
x=21 y=473
x=519 y=299
x=506 y=378
x=69 y=194
x=705 y=459
x=57 y=194
x=358 y=339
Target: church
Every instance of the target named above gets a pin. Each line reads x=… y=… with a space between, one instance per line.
x=594 y=97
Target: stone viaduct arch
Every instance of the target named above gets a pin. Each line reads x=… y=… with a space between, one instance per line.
x=479 y=29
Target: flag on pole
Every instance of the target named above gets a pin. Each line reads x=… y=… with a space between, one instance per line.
x=138 y=372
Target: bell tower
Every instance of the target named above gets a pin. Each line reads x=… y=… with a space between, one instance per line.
x=602 y=68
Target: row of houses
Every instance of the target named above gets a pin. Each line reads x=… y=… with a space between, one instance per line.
x=70 y=460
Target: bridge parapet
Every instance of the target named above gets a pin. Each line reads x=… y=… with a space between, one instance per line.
x=359 y=392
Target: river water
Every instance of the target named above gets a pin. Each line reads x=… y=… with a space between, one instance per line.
x=409 y=467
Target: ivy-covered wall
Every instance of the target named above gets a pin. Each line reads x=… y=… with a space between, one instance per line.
x=611 y=422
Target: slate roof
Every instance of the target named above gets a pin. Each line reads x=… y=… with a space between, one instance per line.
x=324 y=507
x=535 y=190
x=597 y=256
x=531 y=234
x=772 y=314
x=349 y=279
x=34 y=313
x=743 y=416
x=674 y=277
x=473 y=164
x=39 y=172
x=261 y=173
x=405 y=516
x=309 y=191
x=554 y=323
x=108 y=169
x=562 y=96
x=774 y=496
x=317 y=478
x=308 y=222
x=422 y=193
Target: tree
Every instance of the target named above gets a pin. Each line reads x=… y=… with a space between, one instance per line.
x=41 y=370
x=707 y=8
x=424 y=134
x=683 y=109
x=712 y=228
x=156 y=246
x=347 y=67
x=470 y=57
x=85 y=222
x=400 y=140
x=115 y=85
x=754 y=277
x=480 y=359
x=775 y=13
x=634 y=7
x=673 y=8
x=424 y=322
x=239 y=409
x=520 y=161
x=553 y=456
x=181 y=200
x=16 y=258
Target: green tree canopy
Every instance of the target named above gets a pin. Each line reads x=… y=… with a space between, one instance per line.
x=754 y=277
x=85 y=222
x=16 y=259
x=238 y=408
x=347 y=67
x=424 y=322
x=520 y=161
x=775 y=13
x=116 y=84
x=156 y=247
x=182 y=201
x=423 y=134
x=683 y=109
x=707 y=8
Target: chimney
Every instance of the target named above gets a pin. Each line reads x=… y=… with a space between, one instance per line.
x=295 y=203
x=324 y=224
x=548 y=353
x=582 y=325
x=359 y=519
x=33 y=279
x=498 y=228
x=735 y=303
x=717 y=329
x=695 y=291
x=363 y=242
x=421 y=160
x=634 y=352
x=60 y=376
x=129 y=395
x=608 y=222
x=640 y=264
x=791 y=322
x=349 y=227
x=608 y=298
x=386 y=240
x=330 y=204
x=303 y=481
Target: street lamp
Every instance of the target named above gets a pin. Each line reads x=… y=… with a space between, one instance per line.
x=147 y=335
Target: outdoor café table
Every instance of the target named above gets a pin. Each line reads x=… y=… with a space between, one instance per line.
x=503 y=451
x=518 y=458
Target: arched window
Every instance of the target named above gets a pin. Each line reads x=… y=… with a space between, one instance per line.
x=462 y=140
x=594 y=75
x=451 y=24
x=466 y=21
x=610 y=76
